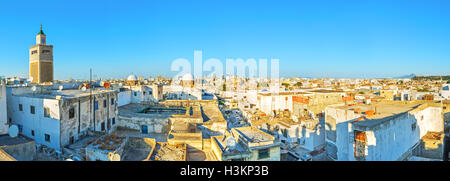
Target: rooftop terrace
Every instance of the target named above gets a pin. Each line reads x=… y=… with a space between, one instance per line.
x=65 y=94
x=167 y=152
x=142 y=110
x=254 y=135
x=381 y=109
x=6 y=140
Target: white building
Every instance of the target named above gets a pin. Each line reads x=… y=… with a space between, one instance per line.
x=392 y=133
x=269 y=102
x=59 y=118
x=139 y=94
x=445 y=91
x=3 y=117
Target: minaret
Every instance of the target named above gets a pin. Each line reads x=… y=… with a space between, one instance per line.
x=41 y=60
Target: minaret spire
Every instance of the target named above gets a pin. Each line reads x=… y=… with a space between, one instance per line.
x=41 y=32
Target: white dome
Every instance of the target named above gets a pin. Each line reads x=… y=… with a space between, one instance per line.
x=132 y=78
x=187 y=77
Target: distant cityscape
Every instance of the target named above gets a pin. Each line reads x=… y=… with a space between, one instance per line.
x=220 y=117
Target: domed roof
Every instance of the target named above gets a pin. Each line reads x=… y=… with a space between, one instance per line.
x=132 y=78
x=187 y=77
x=41 y=32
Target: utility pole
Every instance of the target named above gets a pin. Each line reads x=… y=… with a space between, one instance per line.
x=90 y=97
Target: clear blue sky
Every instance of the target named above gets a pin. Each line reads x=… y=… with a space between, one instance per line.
x=314 y=38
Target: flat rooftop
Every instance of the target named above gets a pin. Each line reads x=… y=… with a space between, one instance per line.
x=222 y=142
x=138 y=149
x=65 y=94
x=141 y=110
x=326 y=91
x=283 y=93
x=167 y=152
x=211 y=112
x=6 y=140
x=5 y=156
x=109 y=143
x=382 y=109
x=254 y=135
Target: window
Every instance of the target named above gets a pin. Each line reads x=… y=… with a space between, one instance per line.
x=135 y=93
x=103 y=126
x=20 y=128
x=71 y=140
x=71 y=113
x=360 y=145
x=32 y=132
x=144 y=129
x=112 y=101
x=46 y=112
x=20 y=107
x=32 y=109
x=413 y=126
x=263 y=153
x=104 y=103
x=113 y=121
x=33 y=52
x=47 y=137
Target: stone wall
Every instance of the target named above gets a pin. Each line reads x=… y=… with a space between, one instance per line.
x=83 y=118
x=154 y=124
x=21 y=152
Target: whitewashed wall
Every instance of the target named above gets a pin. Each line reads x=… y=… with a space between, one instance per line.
x=37 y=122
x=3 y=111
x=387 y=141
x=124 y=98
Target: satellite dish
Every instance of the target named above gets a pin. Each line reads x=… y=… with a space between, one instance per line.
x=83 y=88
x=120 y=84
x=13 y=131
x=33 y=88
x=114 y=157
x=106 y=85
x=102 y=83
x=295 y=118
x=61 y=88
x=231 y=143
x=30 y=79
